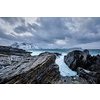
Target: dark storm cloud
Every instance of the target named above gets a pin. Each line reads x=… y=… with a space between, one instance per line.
x=13 y=20
x=89 y=30
x=52 y=23
x=90 y=39
x=49 y=30
x=52 y=29
x=21 y=29
x=91 y=25
x=34 y=26
x=24 y=28
x=9 y=37
x=5 y=36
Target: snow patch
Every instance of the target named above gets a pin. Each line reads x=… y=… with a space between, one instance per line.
x=25 y=46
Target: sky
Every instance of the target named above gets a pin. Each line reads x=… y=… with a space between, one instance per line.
x=51 y=32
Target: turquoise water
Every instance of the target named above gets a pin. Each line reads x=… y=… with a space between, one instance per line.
x=63 y=68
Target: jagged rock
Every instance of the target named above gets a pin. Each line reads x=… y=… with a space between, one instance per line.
x=72 y=59
x=78 y=58
x=84 y=55
x=35 y=69
x=13 y=51
x=91 y=76
x=87 y=66
x=18 y=67
x=71 y=80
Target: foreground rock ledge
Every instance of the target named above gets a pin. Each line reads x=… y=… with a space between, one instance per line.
x=87 y=66
x=34 y=69
x=18 y=67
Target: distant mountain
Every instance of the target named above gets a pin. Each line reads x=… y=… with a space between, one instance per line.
x=25 y=46
x=72 y=48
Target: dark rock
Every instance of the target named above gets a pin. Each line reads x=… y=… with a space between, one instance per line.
x=84 y=55
x=13 y=51
x=71 y=80
x=87 y=66
x=73 y=59
x=95 y=63
x=4 y=65
x=39 y=69
x=91 y=76
x=57 y=54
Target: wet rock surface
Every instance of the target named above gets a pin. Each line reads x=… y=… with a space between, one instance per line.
x=71 y=80
x=87 y=66
x=72 y=59
x=13 y=51
x=25 y=69
x=18 y=67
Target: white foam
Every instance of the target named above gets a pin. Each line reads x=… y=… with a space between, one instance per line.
x=63 y=68
x=36 y=53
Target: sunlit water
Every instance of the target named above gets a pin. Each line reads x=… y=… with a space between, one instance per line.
x=63 y=68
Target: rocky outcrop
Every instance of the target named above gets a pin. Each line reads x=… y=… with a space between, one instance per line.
x=92 y=76
x=18 y=67
x=13 y=51
x=72 y=59
x=34 y=69
x=71 y=80
x=87 y=66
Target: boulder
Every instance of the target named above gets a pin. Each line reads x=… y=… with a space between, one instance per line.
x=87 y=66
x=72 y=59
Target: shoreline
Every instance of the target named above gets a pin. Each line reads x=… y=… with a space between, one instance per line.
x=17 y=66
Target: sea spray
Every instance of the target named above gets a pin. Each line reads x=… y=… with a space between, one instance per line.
x=63 y=68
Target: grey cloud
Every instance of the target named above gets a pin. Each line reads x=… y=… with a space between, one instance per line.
x=55 y=28
x=5 y=36
x=50 y=23
x=90 y=25
x=49 y=30
x=72 y=30
x=13 y=20
x=33 y=26
x=89 y=39
x=9 y=37
x=21 y=29
x=24 y=28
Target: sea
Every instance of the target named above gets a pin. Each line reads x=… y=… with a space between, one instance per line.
x=63 y=68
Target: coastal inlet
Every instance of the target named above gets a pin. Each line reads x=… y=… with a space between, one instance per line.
x=18 y=66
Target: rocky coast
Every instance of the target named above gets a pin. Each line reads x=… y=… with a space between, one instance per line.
x=17 y=66
x=87 y=66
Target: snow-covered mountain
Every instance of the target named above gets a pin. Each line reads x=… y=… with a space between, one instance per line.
x=25 y=46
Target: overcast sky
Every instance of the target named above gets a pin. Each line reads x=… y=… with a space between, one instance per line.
x=51 y=32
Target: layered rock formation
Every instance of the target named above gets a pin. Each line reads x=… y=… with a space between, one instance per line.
x=24 y=68
x=87 y=66
x=13 y=51
x=18 y=67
